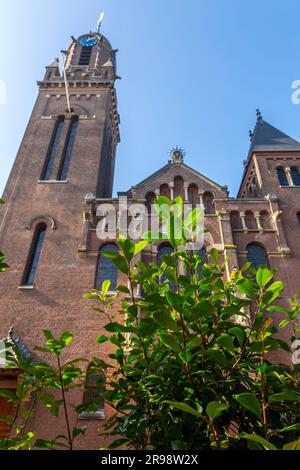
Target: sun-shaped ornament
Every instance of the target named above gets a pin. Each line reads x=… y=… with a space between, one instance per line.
x=177 y=155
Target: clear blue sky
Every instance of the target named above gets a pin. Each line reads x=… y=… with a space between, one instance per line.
x=193 y=72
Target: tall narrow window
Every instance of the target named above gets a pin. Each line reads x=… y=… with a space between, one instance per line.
x=106 y=268
x=298 y=217
x=250 y=221
x=283 y=181
x=257 y=255
x=178 y=187
x=208 y=201
x=295 y=176
x=193 y=194
x=55 y=140
x=85 y=55
x=92 y=400
x=35 y=255
x=150 y=198
x=165 y=191
x=67 y=156
x=235 y=220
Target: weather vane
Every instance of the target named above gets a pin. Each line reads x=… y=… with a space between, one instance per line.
x=100 y=22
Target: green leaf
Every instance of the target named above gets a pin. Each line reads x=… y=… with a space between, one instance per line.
x=123 y=289
x=186 y=356
x=66 y=338
x=215 y=408
x=295 y=445
x=115 y=327
x=165 y=320
x=246 y=286
x=239 y=333
x=128 y=247
x=118 y=260
x=249 y=401
x=293 y=427
x=194 y=343
x=140 y=246
x=260 y=440
x=77 y=431
x=284 y=396
x=201 y=309
x=101 y=339
x=147 y=327
x=214 y=255
x=170 y=342
x=264 y=276
x=105 y=287
x=183 y=407
x=226 y=341
x=175 y=301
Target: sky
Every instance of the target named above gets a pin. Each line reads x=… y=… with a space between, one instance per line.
x=193 y=73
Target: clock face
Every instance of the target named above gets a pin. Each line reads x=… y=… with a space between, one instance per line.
x=88 y=41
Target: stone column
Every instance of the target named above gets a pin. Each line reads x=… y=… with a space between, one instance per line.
x=88 y=219
x=230 y=250
x=257 y=217
x=289 y=176
x=276 y=222
x=186 y=192
x=171 y=186
x=242 y=216
x=201 y=198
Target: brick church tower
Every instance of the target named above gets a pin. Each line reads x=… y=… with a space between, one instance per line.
x=64 y=156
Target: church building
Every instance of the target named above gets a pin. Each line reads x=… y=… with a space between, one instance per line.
x=64 y=170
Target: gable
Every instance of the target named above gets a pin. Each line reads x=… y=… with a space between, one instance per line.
x=169 y=172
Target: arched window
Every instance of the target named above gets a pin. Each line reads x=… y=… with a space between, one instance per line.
x=264 y=220
x=193 y=194
x=67 y=156
x=34 y=256
x=250 y=220
x=257 y=255
x=55 y=140
x=235 y=220
x=150 y=198
x=106 y=268
x=283 y=181
x=85 y=56
x=178 y=187
x=92 y=400
x=208 y=201
x=295 y=176
x=165 y=190
x=165 y=250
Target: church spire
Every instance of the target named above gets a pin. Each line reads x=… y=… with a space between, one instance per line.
x=267 y=138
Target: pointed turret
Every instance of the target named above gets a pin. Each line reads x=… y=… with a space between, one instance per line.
x=267 y=138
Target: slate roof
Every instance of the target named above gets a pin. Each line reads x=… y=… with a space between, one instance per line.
x=266 y=138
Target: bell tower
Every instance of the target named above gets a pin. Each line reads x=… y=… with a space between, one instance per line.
x=68 y=152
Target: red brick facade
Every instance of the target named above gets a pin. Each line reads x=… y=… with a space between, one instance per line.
x=264 y=212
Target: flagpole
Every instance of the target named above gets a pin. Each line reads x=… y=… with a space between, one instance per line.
x=66 y=83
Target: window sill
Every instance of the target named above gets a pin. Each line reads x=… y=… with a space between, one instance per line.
x=52 y=182
x=26 y=287
x=290 y=187
x=98 y=415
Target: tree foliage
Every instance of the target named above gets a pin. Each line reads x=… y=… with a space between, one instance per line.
x=191 y=367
